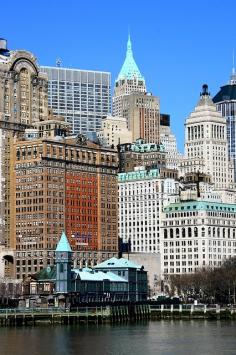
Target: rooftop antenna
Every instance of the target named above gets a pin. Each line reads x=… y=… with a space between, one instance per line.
x=58 y=62
x=233 y=75
x=233 y=69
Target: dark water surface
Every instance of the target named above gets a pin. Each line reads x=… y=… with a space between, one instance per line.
x=146 y=338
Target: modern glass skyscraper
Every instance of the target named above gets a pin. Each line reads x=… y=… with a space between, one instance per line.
x=225 y=101
x=81 y=96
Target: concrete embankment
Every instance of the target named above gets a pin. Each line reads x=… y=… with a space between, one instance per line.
x=112 y=314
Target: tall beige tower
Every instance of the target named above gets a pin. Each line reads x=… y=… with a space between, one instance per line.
x=131 y=100
x=206 y=148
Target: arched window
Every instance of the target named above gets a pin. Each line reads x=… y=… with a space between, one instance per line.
x=183 y=233
x=171 y=233
x=209 y=231
x=177 y=232
x=218 y=232
x=195 y=232
x=189 y=232
x=61 y=267
x=165 y=233
x=203 y=232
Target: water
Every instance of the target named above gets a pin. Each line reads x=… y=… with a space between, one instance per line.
x=146 y=338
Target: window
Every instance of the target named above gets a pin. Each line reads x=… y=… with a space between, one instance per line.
x=61 y=267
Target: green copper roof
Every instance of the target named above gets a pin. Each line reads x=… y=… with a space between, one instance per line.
x=129 y=69
x=200 y=205
x=141 y=147
x=48 y=273
x=114 y=263
x=63 y=244
x=139 y=175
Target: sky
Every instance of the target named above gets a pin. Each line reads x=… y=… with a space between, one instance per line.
x=178 y=45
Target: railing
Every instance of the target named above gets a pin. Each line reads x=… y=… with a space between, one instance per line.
x=192 y=308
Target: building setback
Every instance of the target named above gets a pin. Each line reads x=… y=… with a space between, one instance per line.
x=63 y=183
x=82 y=97
x=196 y=234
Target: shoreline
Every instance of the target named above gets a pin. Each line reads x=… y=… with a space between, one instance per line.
x=113 y=314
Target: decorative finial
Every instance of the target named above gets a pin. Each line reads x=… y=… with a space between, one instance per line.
x=204 y=90
x=58 y=62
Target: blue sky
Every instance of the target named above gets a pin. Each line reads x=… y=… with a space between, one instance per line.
x=178 y=45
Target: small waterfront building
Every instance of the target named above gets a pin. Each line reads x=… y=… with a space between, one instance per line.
x=111 y=281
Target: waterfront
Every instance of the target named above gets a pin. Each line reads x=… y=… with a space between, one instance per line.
x=142 y=338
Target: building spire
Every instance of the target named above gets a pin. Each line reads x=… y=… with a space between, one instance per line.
x=129 y=44
x=233 y=75
x=130 y=69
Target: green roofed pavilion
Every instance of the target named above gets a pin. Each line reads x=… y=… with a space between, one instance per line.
x=130 y=69
x=63 y=244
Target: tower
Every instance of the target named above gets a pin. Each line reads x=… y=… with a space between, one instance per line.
x=206 y=149
x=129 y=80
x=131 y=100
x=63 y=265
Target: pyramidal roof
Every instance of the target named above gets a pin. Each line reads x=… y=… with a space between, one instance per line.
x=63 y=244
x=129 y=69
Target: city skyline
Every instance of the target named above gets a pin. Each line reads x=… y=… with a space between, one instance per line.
x=200 y=40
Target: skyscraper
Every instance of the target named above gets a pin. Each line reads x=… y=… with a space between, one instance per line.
x=225 y=101
x=129 y=80
x=206 y=149
x=23 y=101
x=62 y=184
x=82 y=97
x=131 y=100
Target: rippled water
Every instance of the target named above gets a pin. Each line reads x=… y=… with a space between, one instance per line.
x=159 y=337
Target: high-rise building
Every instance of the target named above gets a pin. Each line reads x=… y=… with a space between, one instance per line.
x=131 y=100
x=82 y=97
x=168 y=140
x=196 y=234
x=206 y=147
x=129 y=80
x=139 y=153
x=142 y=194
x=114 y=131
x=62 y=184
x=225 y=101
x=23 y=101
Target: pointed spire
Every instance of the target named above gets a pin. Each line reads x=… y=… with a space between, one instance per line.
x=233 y=75
x=129 y=69
x=63 y=244
x=129 y=45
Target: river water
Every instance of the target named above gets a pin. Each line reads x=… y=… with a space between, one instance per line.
x=143 y=338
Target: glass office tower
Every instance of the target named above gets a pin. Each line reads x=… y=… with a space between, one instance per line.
x=81 y=96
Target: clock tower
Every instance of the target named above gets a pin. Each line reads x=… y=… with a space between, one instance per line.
x=63 y=265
